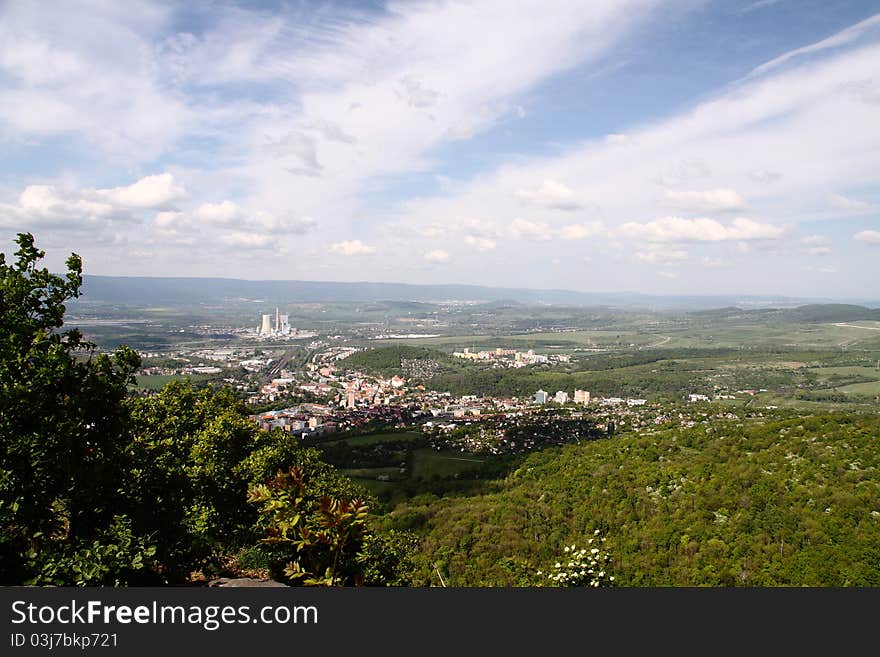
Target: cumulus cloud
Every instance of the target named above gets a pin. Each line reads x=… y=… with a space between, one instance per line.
x=168 y=218
x=299 y=152
x=156 y=191
x=816 y=245
x=530 y=230
x=247 y=240
x=480 y=243
x=225 y=213
x=617 y=138
x=287 y=225
x=437 y=256
x=848 y=204
x=352 y=248
x=712 y=200
x=678 y=229
x=664 y=257
x=479 y=235
x=550 y=194
x=764 y=176
x=868 y=236
x=416 y=94
x=432 y=231
x=582 y=231
x=50 y=202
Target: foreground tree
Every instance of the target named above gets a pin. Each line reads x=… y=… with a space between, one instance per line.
x=62 y=421
x=99 y=488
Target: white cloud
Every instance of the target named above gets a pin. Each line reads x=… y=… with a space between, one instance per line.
x=156 y=191
x=668 y=274
x=678 y=229
x=433 y=231
x=657 y=257
x=48 y=201
x=616 y=138
x=247 y=240
x=868 y=236
x=437 y=256
x=352 y=248
x=480 y=243
x=550 y=194
x=848 y=204
x=815 y=240
x=530 y=230
x=818 y=250
x=582 y=231
x=842 y=38
x=710 y=262
x=168 y=219
x=713 y=200
x=480 y=235
x=225 y=213
x=764 y=177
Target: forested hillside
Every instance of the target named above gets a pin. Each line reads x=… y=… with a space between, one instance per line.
x=763 y=501
x=388 y=361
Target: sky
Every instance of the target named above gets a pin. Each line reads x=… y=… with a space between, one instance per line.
x=660 y=147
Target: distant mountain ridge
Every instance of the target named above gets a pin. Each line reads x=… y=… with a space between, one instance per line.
x=808 y=313
x=151 y=291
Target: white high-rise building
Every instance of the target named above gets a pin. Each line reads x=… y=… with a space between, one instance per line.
x=561 y=397
x=541 y=397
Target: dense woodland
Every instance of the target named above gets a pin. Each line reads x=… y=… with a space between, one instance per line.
x=764 y=501
x=98 y=487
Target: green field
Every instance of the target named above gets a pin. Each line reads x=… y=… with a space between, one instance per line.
x=428 y=463
x=546 y=342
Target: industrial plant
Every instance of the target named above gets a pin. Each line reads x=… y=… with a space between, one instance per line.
x=280 y=328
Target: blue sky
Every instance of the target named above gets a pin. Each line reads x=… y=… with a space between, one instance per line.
x=616 y=145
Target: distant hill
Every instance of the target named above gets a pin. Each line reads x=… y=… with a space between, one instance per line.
x=155 y=291
x=833 y=312
x=815 y=313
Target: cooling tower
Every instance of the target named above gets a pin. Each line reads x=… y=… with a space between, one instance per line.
x=266 y=327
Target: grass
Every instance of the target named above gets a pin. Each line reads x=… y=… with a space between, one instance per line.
x=428 y=463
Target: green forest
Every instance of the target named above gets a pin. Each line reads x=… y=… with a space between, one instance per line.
x=775 y=500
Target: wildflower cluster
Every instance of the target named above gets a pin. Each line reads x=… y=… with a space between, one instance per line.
x=582 y=567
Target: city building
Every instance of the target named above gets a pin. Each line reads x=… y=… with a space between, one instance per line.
x=581 y=396
x=541 y=397
x=561 y=397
